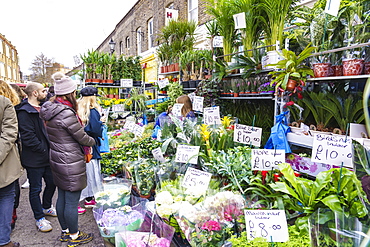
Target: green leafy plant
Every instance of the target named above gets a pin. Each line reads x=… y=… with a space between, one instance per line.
x=136 y=101
x=291 y=67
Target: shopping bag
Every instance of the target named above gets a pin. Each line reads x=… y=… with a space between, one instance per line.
x=104 y=141
x=278 y=139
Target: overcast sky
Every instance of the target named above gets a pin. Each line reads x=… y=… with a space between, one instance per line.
x=59 y=29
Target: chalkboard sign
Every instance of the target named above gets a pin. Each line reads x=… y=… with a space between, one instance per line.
x=198 y=179
x=267 y=159
x=268 y=224
x=247 y=134
x=185 y=152
x=332 y=149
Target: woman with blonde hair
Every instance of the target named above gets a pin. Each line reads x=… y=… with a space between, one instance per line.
x=8 y=92
x=90 y=117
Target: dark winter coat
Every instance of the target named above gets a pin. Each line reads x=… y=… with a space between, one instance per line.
x=66 y=136
x=95 y=129
x=34 y=139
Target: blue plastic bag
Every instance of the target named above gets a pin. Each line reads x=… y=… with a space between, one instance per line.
x=104 y=141
x=278 y=139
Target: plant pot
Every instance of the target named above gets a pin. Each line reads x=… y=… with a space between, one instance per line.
x=162 y=69
x=338 y=70
x=352 y=66
x=322 y=69
x=95 y=81
x=291 y=85
x=109 y=81
x=192 y=84
x=185 y=84
x=367 y=68
x=176 y=67
x=207 y=77
x=197 y=83
x=235 y=94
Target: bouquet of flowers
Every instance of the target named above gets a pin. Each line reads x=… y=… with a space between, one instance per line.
x=140 y=239
x=116 y=193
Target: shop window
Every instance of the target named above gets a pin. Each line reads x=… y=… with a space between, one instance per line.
x=138 y=40
x=150 y=33
x=193 y=10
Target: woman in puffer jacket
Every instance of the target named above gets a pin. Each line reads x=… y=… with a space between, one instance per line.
x=67 y=159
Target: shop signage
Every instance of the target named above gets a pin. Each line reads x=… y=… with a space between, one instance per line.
x=212 y=115
x=267 y=159
x=196 y=179
x=187 y=154
x=198 y=103
x=158 y=155
x=247 y=134
x=268 y=224
x=332 y=149
x=127 y=83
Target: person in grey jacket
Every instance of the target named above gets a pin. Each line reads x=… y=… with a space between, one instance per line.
x=67 y=158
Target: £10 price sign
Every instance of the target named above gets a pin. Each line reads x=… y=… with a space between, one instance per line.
x=212 y=115
x=197 y=179
x=127 y=83
x=187 y=154
x=267 y=159
x=198 y=103
x=332 y=149
x=268 y=224
x=247 y=134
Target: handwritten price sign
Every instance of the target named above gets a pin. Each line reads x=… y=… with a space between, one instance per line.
x=138 y=130
x=118 y=108
x=198 y=103
x=176 y=109
x=247 y=134
x=332 y=149
x=268 y=224
x=127 y=83
x=198 y=179
x=129 y=125
x=187 y=154
x=163 y=82
x=267 y=159
x=212 y=115
x=158 y=155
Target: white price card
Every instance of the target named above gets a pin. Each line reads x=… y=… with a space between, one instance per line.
x=267 y=159
x=138 y=130
x=198 y=103
x=247 y=134
x=163 y=82
x=218 y=41
x=158 y=155
x=118 y=108
x=104 y=114
x=239 y=20
x=129 y=125
x=187 y=154
x=332 y=149
x=268 y=224
x=197 y=179
x=176 y=109
x=212 y=115
x=127 y=83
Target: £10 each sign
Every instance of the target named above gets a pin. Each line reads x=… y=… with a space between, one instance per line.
x=267 y=159
x=212 y=115
x=197 y=179
x=332 y=149
x=247 y=134
x=198 y=103
x=187 y=154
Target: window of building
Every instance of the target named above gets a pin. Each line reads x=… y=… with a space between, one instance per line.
x=10 y=73
x=138 y=40
x=1 y=47
x=128 y=43
x=150 y=33
x=2 y=69
x=193 y=10
x=121 y=47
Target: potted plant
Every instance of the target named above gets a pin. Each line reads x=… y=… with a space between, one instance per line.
x=136 y=101
x=292 y=71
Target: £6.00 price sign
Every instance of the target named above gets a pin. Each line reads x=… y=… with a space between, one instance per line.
x=247 y=134
x=162 y=83
x=268 y=224
x=212 y=115
x=267 y=159
x=198 y=103
x=332 y=149
x=187 y=154
x=198 y=179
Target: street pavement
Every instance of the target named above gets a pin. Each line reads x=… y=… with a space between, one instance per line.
x=26 y=233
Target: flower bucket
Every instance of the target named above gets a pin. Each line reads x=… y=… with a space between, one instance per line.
x=322 y=69
x=352 y=66
x=338 y=70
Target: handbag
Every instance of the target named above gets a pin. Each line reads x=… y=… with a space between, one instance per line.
x=104 y=141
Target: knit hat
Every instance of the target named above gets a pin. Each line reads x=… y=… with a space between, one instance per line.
x=63 y=84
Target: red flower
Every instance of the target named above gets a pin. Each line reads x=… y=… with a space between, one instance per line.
x=290 y=103
x=231 y=127
x=276 y=177
x=300 y=96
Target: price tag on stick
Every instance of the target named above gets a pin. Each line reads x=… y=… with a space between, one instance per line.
x=198 y=103
x=267 y=159
x=212 y=115
x=187 y=154
x=268 y=224
x=332 y=149
x=158 y=155
x=198 y=179
x=247 y=134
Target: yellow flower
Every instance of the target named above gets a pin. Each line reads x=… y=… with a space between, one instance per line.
x=226 y=121
x=204 y=132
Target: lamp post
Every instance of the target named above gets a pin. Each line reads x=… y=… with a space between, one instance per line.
x=112 y=44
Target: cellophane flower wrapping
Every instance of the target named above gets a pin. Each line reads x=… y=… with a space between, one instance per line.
x=153 y=232
x=124 y=218
x=116 y=193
